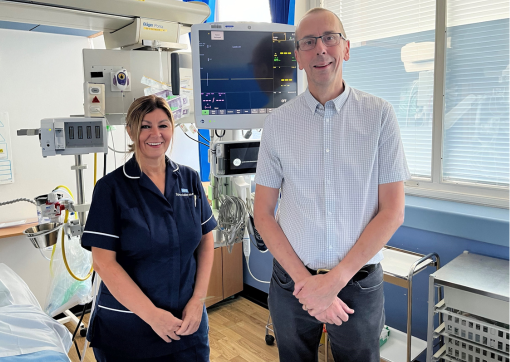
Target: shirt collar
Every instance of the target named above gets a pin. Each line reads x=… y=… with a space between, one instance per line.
x=132 y=170
x=338 y=102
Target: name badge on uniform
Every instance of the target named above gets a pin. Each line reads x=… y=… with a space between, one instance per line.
x=184 y=192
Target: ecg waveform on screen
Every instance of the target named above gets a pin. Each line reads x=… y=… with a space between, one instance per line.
x=246 y=72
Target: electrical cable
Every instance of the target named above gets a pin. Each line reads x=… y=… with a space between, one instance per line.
x=202 y=143
x=217 y=135
x=81 y=320
x=248 y=265
x=248 y=134
x=117 y=151
x=113 y=142
x=209 y=142
x=104 y=165
x=95 y=168
x=77 y=349
x=85 y=305
x=18 y=200
x=95 y=282
x=251 y=227
x=231 y=219
x=95 y=289
x=251 y=230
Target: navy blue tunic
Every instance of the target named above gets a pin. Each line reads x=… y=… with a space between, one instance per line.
x=155 y=237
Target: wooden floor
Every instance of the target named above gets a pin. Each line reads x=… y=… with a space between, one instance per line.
x=237 y=331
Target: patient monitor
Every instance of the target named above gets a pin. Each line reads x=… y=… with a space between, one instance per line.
x=242 y=72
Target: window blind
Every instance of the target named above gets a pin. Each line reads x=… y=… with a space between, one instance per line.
x=392 y=53
x=476 y=119
x=392 y=57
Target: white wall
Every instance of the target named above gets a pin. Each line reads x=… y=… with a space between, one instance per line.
x=41 y=76
x=302 y=6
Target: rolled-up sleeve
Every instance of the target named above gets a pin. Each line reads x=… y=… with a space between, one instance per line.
x=392 y=159
x=102 y=227
x=269 y=168
x=207 y=219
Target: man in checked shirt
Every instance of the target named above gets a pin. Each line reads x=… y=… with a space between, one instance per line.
x=336 y=156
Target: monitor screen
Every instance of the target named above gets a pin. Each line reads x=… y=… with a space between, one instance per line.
x=241 y=73
x=242 y=158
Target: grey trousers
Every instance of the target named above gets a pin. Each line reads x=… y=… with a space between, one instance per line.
x=298 y=334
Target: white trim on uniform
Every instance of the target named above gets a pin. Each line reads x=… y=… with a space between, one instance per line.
x=176 y=168
x=207 y=220
x=125 y=174
x=98 y=233
x=115 y=310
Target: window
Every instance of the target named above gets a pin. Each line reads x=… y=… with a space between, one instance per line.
x=457 y=147
x=244 y=10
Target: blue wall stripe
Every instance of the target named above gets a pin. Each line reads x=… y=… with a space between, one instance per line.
x=480 y=223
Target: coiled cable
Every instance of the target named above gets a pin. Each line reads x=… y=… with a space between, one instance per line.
x=17 y=200
x=232 y=219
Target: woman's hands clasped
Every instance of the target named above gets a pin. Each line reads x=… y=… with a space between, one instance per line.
x=170 y=328
x=191 y=316
x=165 y=325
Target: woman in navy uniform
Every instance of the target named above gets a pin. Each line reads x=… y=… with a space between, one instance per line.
x=150 y=232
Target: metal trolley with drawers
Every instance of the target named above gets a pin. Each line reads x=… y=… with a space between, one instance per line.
x=474 y=314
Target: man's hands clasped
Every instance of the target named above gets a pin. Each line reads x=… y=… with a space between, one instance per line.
x=318 y=295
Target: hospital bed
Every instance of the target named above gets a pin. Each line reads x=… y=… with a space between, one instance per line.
x=27 y=333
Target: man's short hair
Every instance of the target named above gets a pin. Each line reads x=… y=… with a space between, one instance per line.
x=317 y=10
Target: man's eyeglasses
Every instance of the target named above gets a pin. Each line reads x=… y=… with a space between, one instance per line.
x=329 y=40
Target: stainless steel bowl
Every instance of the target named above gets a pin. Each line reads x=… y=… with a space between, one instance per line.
x=43 y=235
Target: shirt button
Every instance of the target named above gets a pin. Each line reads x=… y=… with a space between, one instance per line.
x=327 y=149
x=327 y=119
x=328 y=182
x=329 y=213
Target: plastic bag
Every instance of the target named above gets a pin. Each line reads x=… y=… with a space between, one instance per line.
x=65 y=292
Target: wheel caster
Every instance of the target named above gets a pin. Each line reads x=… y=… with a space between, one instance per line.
x=83 y=332
x=269 y=340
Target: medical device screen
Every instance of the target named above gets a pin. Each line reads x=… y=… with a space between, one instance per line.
x=244 y=73
x=242 y=158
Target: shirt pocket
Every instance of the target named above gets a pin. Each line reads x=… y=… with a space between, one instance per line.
x=191 y=204
x=135 y=235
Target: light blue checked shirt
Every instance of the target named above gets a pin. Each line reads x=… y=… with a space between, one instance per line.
x=328 y=162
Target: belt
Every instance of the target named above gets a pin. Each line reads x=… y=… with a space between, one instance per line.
x=362 y=273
